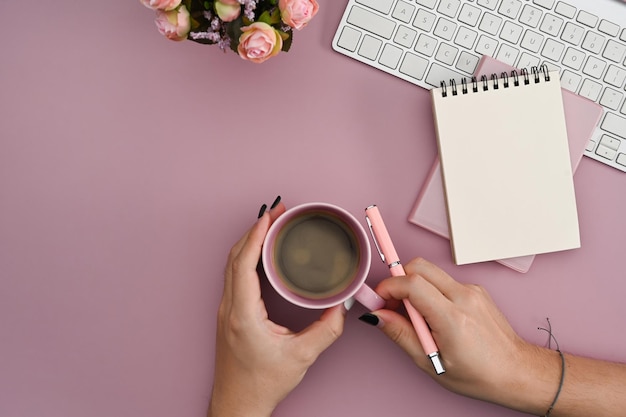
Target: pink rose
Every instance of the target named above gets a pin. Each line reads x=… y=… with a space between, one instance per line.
x=297 y=13
x=174 y=24
x=227 y=10
x=259 y=42
x=161 y=4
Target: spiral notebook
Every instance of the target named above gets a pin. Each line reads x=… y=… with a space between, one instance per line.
x=505 y=166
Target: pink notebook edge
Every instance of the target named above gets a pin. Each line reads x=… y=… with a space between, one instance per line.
x=439 y=226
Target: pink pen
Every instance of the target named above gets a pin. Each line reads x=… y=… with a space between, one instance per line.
x=387 y=252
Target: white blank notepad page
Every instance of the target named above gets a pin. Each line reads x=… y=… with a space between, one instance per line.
x=506 y=170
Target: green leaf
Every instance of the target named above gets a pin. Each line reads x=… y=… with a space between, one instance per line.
x=287 y=40
x=271 y=18
x=233 y=30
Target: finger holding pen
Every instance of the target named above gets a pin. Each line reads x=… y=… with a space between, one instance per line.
x=389 y=256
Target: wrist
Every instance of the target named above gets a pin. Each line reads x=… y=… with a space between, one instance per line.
x=228 y=403
x=534 y=382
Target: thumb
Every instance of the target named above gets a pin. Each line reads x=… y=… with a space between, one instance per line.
x=400 y=330
x=317 y=337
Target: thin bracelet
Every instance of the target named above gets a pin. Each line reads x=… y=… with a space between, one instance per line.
x=558 y=392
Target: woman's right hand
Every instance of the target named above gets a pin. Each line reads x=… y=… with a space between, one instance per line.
x=483 y=356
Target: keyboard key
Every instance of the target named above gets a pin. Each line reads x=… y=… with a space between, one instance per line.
x=371 y=22
x=489 y=4
x=573 y=59
x=593 y=42
x=546 y=4
x=427 y=3
x=438 y=73
x=609 y=28
x=530 y=16
x=413 y=66
x=469 y=14
x=594 y=67
x=551 y=25
x=614 y=51
x=615 y=124
x=623 y=35
x=611 y=98
x=551 y=66
x=349 y=38
x=605 y=152
x=446 y=53
x=553 y=50
x=449 y=7
x=486 y=45
x=403 y=11
x=621 y=159
x=445 y=29
x=532 y=41
x=573 y=33
x=405 y=36
x=467 y=62
x=383 y=6
x=510 y=8
x=527 y=61
x=424 y=20
x=570 y=81
x=370 y=47
x=615 y=76
x=587 y=19
x=590 y=89
x=610 y=142
x=390 y=56
x=490 y=23
x=511 y=32
x=507 y=54
x=426 y=45
x=465 y=37
x=565 y=9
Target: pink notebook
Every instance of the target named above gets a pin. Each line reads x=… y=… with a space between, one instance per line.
x=581 y=115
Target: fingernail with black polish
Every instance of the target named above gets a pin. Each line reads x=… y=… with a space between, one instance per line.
x=262 y=211
x=370 y=319
x=275 y=203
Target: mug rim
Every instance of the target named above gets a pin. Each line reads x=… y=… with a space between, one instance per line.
x=324 y=302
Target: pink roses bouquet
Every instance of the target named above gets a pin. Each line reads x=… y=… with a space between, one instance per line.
x=255 y=29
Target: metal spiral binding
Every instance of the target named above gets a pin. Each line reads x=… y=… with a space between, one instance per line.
x=453 y=85
x=534 y=75
x=505 y=79
x=444 y=89
x=494 y=78
x=525 y=75
x=485 y=82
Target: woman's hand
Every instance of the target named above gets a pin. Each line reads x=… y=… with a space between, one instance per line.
x=258 y=362
x=483 y=356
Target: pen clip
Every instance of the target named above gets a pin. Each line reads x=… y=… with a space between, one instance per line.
x=380 y=252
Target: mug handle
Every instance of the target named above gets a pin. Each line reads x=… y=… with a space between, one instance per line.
x=368 y=297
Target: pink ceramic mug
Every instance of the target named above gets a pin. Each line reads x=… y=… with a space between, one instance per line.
x=318 y=255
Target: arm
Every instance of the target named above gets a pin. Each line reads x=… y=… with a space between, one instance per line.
x=484 y=357
x=258 y=362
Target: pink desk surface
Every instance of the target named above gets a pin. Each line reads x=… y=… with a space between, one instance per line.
x=130 y=164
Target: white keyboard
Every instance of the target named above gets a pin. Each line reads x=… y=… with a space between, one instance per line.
x=428 y=41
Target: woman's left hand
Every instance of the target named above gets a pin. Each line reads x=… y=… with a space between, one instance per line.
x=258 y=362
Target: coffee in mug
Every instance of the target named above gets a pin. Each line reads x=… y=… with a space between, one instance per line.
x=316 y=254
